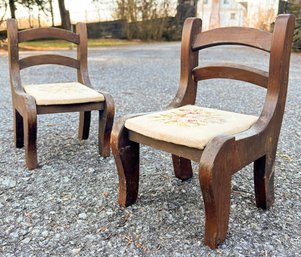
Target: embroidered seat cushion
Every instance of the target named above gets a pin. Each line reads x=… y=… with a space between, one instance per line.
x=190 y=125
x=63 y=93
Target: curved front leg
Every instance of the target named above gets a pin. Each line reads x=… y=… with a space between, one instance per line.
x=215 y=171
x=126 y=155
x=106 y=119
x=26 y=112
x=30 y=138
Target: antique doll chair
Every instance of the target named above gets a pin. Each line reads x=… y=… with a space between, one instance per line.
x=222 y=142
x=31 y=100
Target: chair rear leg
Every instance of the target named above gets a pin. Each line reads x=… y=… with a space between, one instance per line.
x=264 y=180
x=18 y=129
x=106 y=119
x=126 y=155
x=84 y=125
x=30 y=138
x=182 y=167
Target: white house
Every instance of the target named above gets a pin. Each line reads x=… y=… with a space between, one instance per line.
x=251 y=13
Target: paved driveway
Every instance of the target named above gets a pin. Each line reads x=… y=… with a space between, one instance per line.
x=68 y=206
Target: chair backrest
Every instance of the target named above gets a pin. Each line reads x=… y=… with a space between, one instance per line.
x=278 y=44
x=79 y=38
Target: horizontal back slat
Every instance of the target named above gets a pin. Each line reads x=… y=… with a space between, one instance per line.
x=231 y=71
x=43 y=33
x=234 y=36
x=48 y=59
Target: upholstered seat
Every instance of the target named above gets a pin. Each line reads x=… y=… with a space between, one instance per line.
x=190 y=125
x=63 y=93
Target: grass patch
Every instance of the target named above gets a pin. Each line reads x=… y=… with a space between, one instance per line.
x=61 y=44
x=110 y=42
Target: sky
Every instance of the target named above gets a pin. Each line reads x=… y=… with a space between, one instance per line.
x=79 y=11
x=86 y=10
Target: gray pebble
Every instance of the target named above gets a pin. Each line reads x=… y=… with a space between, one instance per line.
x=7 y=182
x=82 y=216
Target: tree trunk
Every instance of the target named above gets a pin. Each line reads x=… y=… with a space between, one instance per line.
x=65 y=16
x=4 y=6
x=29 y=18
x=51 y=12
x=293 y=7
x=214 y=17
x=12 y=8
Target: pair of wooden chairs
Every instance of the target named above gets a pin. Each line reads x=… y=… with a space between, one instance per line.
x=222 y=142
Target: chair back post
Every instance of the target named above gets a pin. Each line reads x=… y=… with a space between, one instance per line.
x=279 y=70
x=82 y=54
x=189 y=59
x=13 y=55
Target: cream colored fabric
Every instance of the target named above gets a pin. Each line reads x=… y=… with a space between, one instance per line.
x=190 y=125
x=63 y=93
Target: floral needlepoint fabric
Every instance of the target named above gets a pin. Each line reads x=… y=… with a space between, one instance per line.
x=63 y=93
x=190 y=117
x=190 y=125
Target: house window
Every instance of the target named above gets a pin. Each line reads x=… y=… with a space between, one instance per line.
x=226 y=1
x=232 y=16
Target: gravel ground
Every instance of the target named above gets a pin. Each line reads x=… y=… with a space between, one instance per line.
x=68 y=206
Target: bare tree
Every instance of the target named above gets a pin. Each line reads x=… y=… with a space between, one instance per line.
x=29 y=4
x=12 y=7
x=3 y=6
x=214 y=16
x=51 y=12
x=44 y=6
x=65 y=15
x=146 y=18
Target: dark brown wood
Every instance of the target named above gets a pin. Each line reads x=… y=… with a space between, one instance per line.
x=231 y=71
x=126 y=154
x=84 y=125
x=223 y=156
x=187 y=89
x=47 y=33
x=264 y=169
x=84 y=107
x=24 y=106
x=30 y=137
x=82 y=72
x=48 y=59
x=106 y=119
x=18 y=129
x=233 y=36
x=179 y=150
x=216 y=167
x=182 y=167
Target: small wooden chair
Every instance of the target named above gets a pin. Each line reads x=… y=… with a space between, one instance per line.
x=222 y=142
x=31 y=100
